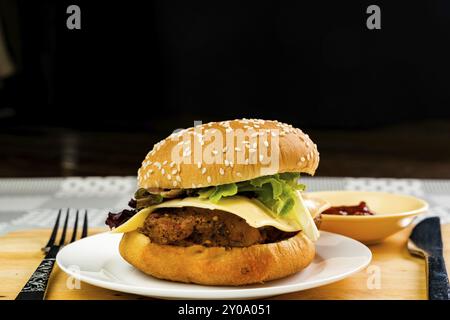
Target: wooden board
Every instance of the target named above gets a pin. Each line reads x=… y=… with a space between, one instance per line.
x=400 y=275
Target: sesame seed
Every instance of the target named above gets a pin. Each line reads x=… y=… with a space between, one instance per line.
x=221 y=171
x=302 y=159
x=226 y=162
x=261 y=158
x=169 y=176
x=165 y=162
x=178 y=178
x=208 y=179
x=266 y=143
x=254 y=145
x=252 y=150
x=215 y=152
x=238 y=174
x=175 y=183
x=150 y=171
x=174 y=171
x=199 y=164
x=172 y=164
x=238 y=149
x=203 y=170
x=163 y=171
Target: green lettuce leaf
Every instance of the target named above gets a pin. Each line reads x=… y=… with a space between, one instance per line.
x=146 y=199
x=277 y=192
x=214 y=194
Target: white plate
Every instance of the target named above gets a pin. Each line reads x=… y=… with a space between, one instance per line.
x=96 y=260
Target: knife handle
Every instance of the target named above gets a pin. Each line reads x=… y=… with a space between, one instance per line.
x=438 y=287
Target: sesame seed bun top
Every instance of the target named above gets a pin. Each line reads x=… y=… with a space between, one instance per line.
x=229 y=151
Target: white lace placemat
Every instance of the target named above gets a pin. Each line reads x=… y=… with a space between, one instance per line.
x=33 y=203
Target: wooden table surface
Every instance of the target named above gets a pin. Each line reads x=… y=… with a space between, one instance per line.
x=400 y=275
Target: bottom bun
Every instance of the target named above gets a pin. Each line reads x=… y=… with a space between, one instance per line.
x=217 y=265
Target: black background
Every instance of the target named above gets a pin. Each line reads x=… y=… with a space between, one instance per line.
x=308 y=63
x=377 y=102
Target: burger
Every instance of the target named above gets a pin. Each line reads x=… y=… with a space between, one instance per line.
x=222 y=203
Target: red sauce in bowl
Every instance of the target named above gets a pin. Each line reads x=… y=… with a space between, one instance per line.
x=359 y=210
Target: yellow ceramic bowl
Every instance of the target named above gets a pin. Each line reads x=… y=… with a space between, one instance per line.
x=393 y=212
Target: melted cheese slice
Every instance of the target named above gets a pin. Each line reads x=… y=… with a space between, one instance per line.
x=251 y=210
x=315 y=205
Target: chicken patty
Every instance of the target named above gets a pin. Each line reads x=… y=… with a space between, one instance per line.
x=213 y=228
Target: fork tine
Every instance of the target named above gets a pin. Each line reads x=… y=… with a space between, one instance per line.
x=75 y=226
x=51 y=241
x=63 y=236
x=85 y=225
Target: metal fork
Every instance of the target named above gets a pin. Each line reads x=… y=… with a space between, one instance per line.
x=36 y=286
